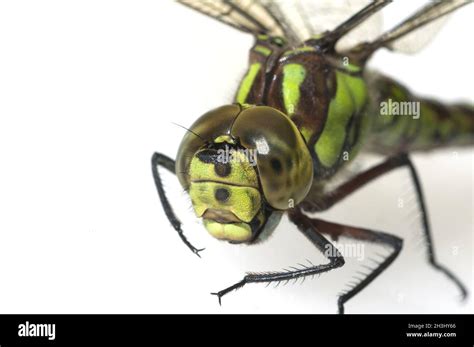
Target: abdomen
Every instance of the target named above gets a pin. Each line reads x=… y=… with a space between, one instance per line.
x=403 y=122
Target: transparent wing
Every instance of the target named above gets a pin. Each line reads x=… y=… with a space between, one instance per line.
x=308 y=18
x=416 y=31
x=297 y=20
x=368 y=30
x=246 y=15
x=421 y=37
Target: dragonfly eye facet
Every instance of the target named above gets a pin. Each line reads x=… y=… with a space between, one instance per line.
x=283 y=160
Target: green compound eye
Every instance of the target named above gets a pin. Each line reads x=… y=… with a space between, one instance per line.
x=284 y=163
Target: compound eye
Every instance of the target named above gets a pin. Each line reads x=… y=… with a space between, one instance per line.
x=209 y=126
x=284 y=163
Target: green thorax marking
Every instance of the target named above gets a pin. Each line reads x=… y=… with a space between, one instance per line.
x=263 y=50
x=349 y=101
x=247 y=82
x=293 y=77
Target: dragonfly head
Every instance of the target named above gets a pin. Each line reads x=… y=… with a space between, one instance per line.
x=243 y=166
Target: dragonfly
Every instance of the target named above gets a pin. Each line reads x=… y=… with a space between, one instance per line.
x=306 y=107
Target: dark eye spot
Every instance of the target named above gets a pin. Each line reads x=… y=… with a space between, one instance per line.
x=276 y=165
x=222 y=194
x=222 y=169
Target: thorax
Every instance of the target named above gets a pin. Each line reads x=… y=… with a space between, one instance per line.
x=324 y=96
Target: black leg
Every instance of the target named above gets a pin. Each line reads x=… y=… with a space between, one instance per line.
x=159 y=159
x=305 y=225
x=336 y=230
x=314 y=204
x=427 y=232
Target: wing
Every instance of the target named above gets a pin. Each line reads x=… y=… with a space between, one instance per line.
x=312 y=18
x=419 y=38
x=296 y=20
x=255 y=17
x=416 y=31
x=300 y=20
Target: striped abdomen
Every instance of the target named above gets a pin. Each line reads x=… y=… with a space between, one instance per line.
x=404 y=122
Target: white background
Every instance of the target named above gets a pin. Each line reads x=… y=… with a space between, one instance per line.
x=88 y=91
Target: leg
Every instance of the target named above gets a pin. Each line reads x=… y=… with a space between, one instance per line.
x=317 y=203
x=159 y=159
x=305 y=225
x=336 y=230
x=331 y=198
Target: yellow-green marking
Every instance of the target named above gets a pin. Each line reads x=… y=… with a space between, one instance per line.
x=293 y=76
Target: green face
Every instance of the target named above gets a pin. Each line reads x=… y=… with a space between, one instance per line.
x=225 y=192
x=243 y=165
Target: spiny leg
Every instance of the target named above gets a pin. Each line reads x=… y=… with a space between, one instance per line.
x=331 y=198
x=427 y=232
x=336 y=230
x=305 y=225
x=159 y=159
